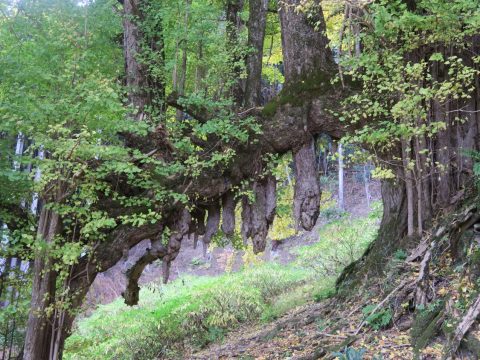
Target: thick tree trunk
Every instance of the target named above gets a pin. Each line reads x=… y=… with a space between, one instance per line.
x=305 y=51
x=299 y=37
x=391 y=236
x=256 y=37
x=145 y=89
x=234 y=22
x=39 y=327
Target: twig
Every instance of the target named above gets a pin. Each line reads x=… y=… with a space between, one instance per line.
x=331 y=335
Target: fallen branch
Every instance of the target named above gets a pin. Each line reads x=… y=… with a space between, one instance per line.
x=463 y=328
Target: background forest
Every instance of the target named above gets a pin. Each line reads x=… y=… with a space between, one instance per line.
x=322 y=155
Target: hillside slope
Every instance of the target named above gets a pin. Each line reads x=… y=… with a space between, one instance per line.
x=425 y=306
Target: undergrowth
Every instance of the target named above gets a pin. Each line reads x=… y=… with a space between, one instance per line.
x=191 y=312
x=197 y=310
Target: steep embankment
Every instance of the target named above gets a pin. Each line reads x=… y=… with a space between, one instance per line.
x=425 y=306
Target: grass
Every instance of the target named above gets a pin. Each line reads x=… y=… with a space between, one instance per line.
x=191 y=312
x=342 y=241
x=199 y=309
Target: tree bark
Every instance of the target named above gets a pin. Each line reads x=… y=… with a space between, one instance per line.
x=213 y=221
x=234 y=22
x=256 y=36
x=39 y=326
x=306 y=203
x=183 y=68
x=341 y=202
x=299 y=37
x=228 y=213
x=258 y=214
x=408 y=176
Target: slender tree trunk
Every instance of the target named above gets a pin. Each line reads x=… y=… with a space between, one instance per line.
x=200 y=71
x=366 y=181
x=3 y=278
x=406 y=157
x=341 y=203
x=419 y=187
x=234 y=22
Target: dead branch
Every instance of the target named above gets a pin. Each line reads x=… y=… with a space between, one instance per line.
x=463 y=328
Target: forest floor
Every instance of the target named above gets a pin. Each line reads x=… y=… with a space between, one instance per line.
x=318 y=331
x=337 y=328
x=382 y=317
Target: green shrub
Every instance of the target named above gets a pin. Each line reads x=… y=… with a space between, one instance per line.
x=341 y=242
x=379 y=319
x=323 y=294
x=400 y=255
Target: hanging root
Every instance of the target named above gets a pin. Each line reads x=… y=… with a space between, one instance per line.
x=197 y=226
x=270 y=198
x=228 y=213
x=157 y=251
x=258 y=216
x=179 y=229
x=213 y=221
x=306 y=204
x=246 y=220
